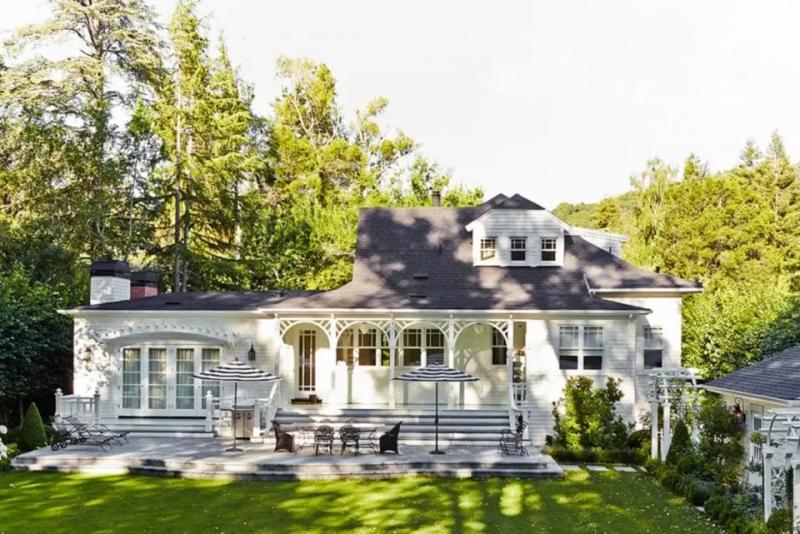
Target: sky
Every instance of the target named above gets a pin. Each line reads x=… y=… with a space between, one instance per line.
x=558 y=101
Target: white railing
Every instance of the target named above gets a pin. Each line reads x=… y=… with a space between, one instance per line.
x=82 y=407
x=518 y=404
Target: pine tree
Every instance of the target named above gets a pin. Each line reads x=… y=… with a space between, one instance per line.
x=64 y=155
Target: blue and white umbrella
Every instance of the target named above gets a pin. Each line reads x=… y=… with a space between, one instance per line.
x=236 y=372
x=436 y=373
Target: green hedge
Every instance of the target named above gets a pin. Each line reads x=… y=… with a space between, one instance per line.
x=595 y=456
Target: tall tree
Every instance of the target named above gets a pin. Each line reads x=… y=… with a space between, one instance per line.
x=68 y=142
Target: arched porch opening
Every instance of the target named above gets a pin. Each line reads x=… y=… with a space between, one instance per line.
x=306 y=362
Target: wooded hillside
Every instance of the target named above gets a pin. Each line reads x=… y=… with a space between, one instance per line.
x=737 y=231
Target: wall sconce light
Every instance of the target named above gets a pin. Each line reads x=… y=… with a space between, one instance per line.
x=251 y=354
x=738 y=413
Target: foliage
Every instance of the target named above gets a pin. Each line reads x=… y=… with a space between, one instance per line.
x=584 y=417
x=32 y=435
x=35 y=340
x=737 y=231
x=720 y=441
x=780 y=522
x=580 y=502
x=681 y=444
x=596 y=455
x=5 y=461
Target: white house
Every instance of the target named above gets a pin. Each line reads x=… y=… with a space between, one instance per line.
x=504 y=291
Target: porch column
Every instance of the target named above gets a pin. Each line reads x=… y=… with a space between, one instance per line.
x=769 y=453
x=451 y=361
x=392 y=359
x=666 y=436
x=510 y=369
x=795 y=492
x=654 y=427
x=96 y=406
x=332 y=342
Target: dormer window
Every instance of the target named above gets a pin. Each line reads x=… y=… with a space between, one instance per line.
x=518 y=248
x=488 y=248
x=548 y=246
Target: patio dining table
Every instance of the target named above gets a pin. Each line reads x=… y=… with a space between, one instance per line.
x=305 y=431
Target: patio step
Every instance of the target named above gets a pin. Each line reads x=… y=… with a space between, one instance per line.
x=171 y=458
x=165 y=428
x=456 y=427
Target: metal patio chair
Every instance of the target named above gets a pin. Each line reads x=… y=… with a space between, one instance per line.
x=349 y=435
x=323 y=437
x=511 y=441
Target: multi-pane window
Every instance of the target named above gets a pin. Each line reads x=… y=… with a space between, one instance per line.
x=548 y=246
x=593 y=347
x=157 y=379
x=184 y=381
x=368 y=347
x=499 y=348
x=488 y=248
x=518 y=248
x=209 y=358
x=412 y=347
x=580 y=347
x=434 y=343
x=344 y=351
x=131 y=378
x=363 y=347
x=569 y=347
x=755 y=448
x=653 y=347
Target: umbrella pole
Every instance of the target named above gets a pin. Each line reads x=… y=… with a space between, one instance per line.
x=233 y=418
x=436 y=423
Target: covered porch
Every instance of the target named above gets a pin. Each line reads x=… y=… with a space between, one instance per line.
x=351 y=360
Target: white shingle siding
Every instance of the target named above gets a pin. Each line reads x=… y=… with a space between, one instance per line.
x=505 y=224
x=547 y=381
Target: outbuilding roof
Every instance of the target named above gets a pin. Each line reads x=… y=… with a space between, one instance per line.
x=776 y=377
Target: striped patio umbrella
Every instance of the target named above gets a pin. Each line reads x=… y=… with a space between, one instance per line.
x=236 y=372
x=436 y=373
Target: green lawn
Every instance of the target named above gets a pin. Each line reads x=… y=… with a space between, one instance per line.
x=582 y=502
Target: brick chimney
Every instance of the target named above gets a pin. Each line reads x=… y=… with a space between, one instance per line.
x=110 y=281
x=143 y=284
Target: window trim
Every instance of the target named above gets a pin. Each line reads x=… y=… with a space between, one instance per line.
x=498 y=342
x=649 y=345
x=582 y=350
x=546 y=240
x=514 y=247
x=483 y=248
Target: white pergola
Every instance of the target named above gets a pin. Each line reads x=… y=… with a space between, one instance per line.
x=665 y=388
x=781 y=451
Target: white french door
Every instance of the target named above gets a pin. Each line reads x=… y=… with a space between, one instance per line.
x=306 y=362
x=156 y=380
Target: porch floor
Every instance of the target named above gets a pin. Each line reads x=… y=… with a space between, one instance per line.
x=206 y=458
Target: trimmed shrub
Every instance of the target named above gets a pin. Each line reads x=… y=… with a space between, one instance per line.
x=32 y=435
x=593 y=456
x=780 y=522
x=681 y=444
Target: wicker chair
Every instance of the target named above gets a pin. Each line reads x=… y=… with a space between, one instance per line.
x=323 y=437
x=283 y=440
x=511 y=441
x=349 y=435
x=388 y=441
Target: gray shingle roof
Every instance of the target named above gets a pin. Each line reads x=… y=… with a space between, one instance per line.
x=421 y=258
x=776 y=377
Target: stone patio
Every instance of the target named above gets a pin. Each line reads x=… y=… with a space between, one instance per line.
x=206 y=458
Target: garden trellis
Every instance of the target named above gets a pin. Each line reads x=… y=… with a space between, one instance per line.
x=668 y=387
x=781 y=452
